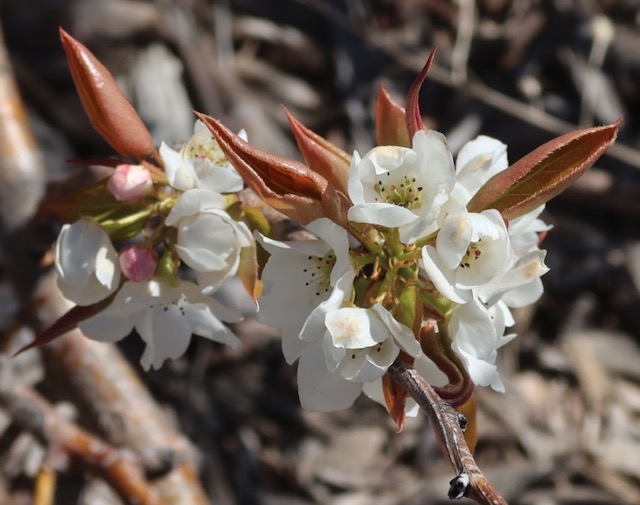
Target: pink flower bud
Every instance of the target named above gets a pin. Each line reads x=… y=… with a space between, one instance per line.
x=130 y=183
x=138 y=262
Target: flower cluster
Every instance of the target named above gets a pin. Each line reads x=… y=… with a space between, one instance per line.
x=178 y=218
x=416 y=257
x=349 y=308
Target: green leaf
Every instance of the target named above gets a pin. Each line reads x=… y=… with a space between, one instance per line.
x=544 y=173
x=95 y=201
x=119 y=219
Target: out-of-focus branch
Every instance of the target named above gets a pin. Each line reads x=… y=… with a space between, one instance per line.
x=106 y=386
x=113 y=396
x=35 y=415
x=470 y=481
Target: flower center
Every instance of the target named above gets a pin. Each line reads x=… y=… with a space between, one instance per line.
x=209 y=151
x=473 y=253
x=318 y=273
x=176 y=306
x=403 y=192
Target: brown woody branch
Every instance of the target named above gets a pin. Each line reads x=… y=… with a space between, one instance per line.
x=90 y=453
x=110 y=392
x=448 y=426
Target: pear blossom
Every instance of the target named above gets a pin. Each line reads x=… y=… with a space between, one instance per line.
x=478 y=161
x=201 y=164
x=130 y=183
x=524 y=231
x=165 y=315
x=363 y=343
x=477 y=333
x=396 y=186
x=209 y=240
x=471 y=249
x=303 y=280
x=86 y=263
x=358 y=346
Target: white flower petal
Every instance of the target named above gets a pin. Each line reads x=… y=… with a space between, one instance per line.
x=353 y=328
x=454 y=238
x=383 y=214
x=320 y=390
x=402 y=335
x=369 y=364
x=193 y=202
x=106 y=328
x=86 y=263
x=181 y=174
x=437 y=274
x=478 y=161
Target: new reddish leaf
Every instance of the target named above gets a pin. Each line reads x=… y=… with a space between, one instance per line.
x=67 y=322
x=544 y=173
x=412 y=108
x=110 y=112
x=322 y=156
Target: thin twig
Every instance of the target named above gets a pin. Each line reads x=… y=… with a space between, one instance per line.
x=470 y=481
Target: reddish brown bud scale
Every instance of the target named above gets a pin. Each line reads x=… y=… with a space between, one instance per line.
x=395 y=397
x=109 y=111
x=286 y=185
x=391 y=121
x=544 y=173
x=412 y=108
x=322 y=156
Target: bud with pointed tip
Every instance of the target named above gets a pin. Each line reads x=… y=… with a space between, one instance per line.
x=110 y=112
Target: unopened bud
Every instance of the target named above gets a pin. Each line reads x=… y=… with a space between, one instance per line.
x=130 y=183
x=138 y=262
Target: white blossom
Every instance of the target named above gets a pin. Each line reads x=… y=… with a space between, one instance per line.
x=209 y=240
x=302 y=281
x=201 y=164
x=165 y=316
x=363 y=343
x=524 y=231
x=471 y=249
x=400 y=187
x=477 y=333
x=357 y=346
x=86 y=263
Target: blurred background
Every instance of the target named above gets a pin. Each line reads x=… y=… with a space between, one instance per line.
x=567 y=431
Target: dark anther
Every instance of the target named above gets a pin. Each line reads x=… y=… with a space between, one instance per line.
x=459 y=487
